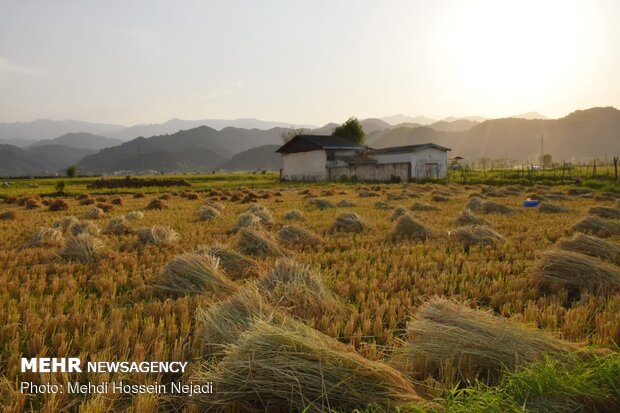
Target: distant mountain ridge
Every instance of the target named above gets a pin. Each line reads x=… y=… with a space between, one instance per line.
x=40 y=160
x=79 y=140
x=26 y=133
x=400 y=118
x=580 y=135
x=48 y=129
x=175 y=125
x=215 y=146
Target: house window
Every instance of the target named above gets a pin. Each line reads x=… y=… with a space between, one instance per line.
x=331 y=156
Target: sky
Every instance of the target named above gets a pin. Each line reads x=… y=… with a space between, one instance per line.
x=305 y=62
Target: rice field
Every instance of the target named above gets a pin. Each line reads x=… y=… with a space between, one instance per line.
x=327 y=284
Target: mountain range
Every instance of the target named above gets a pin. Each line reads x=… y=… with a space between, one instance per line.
x=24 y=134
x=582 y=134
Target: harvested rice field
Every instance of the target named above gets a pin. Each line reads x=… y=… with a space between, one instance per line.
x=316 y=298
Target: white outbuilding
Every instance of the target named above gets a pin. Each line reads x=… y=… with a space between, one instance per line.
x=427 y=160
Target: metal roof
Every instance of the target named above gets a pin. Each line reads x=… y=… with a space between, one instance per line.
x=410 y=148
x=305 y=143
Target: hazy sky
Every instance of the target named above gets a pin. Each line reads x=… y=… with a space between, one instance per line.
x=311 y=62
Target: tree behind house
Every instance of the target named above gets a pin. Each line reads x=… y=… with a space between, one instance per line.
x=351 y=130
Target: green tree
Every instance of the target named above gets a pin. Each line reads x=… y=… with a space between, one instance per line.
x=72 y=171
x=351 y=130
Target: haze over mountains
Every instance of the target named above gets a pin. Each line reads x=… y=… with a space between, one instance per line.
x=188 y=146
x=79 y=140
x=25 y=133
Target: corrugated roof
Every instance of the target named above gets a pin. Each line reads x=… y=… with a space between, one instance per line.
x=304 y=143
x=410 y=148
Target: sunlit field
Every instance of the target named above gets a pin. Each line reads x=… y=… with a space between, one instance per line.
x=118 y=299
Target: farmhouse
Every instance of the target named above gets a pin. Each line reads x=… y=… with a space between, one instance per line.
x=308 y=157
x=330 y=158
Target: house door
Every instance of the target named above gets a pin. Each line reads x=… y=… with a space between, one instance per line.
x=431 y=170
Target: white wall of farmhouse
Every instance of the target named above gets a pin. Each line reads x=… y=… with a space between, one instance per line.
x=304 y=166
x=429 y=161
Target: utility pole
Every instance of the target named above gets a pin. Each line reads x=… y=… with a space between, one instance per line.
x=542 y=152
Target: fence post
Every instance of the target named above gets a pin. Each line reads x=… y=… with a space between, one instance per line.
x=563 y=170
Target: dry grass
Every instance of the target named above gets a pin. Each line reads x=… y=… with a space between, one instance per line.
x=573 y=271
x=558 y=197
x=32 y=204
x=439 y=198
x=292 y=235
x=208 y=213
x=367 y=194
x=134 y=215
x=348 y=222
x=65 y=224
x=301 y=292
x=321 y=203
x=108 y=311
x=467 y=217
x=547 y=208
x=398 y=212
x=407 y=228
x=291 y=367
x=476 y=235
x=599 y=227
x=79 y=228
x=46 y=237
x=221 y=324
x=264 y=216
x=604 y=212
x=58 y=205
x=95 y=213
x=9 y=216
x=418 y=206
x=246 y=220
x=592 y=246
x=157 y=235
x=345 y=203
x=236 y=265
x=474 y=203
x=256 y=244
x=217 y=205
x=382 y=205
x=489 y=207
x=294 y=215
x=189 y=274
x=255 y=207
x=105 y=207
x=395 y=197
x=119 y=226
x=157 y=204
x=83 y=248
x=452 y=342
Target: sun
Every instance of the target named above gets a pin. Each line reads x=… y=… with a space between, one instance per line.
x=524 y=51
